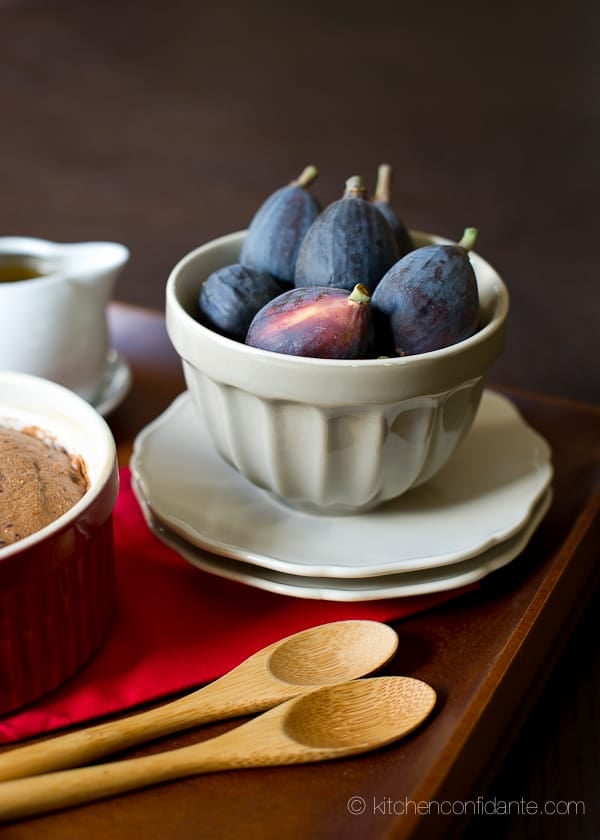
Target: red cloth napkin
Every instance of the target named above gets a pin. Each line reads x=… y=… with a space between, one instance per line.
x=178 y=627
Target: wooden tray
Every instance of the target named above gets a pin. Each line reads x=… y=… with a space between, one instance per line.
x=487 y=654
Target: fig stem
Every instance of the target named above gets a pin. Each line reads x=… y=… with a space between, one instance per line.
x=355 y=187
x=468 y=239
x=383 y=187
x=360 y=294
x=306 y=177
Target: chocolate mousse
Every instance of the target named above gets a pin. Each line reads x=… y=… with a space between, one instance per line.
x=39 y=481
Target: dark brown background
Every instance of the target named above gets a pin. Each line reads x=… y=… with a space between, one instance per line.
x=164 y=124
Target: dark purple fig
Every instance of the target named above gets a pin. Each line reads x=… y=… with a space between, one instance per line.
x=279 y=226
x=382 y=199
x=349 y=243
x=231 y=296
x=324 y=323
x=428 y=300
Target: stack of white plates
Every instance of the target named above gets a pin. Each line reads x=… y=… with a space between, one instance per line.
x=475 y=516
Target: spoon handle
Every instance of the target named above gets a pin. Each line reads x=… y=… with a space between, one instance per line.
x=253 y=744
x=88 y=744
x=52 y=791
x=237 y=693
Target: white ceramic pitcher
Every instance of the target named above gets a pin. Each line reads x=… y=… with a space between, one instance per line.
x=53 y=300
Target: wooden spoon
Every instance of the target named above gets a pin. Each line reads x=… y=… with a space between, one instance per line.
x=323 y=655
x=330 y=722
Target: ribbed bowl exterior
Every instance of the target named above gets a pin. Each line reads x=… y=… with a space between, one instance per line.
x=334 y=460
x=57 y=585
x=57 y=602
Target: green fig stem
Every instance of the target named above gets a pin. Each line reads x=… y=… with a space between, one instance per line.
x=468 y=239
x=355 y=187
x=383 y=187
x=306 y=177
x=360 y=294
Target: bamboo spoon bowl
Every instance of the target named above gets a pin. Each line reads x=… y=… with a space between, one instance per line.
x=331 y=722
x=324 y=655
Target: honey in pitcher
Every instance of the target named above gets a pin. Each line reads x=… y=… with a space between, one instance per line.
x=14 y=270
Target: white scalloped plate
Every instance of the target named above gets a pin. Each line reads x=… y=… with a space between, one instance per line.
x=484 y=495
x=405 y=585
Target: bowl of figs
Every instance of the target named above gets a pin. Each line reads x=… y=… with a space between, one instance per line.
x=335 y=357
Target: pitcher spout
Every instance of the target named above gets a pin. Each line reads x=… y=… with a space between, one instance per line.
x=86 y=260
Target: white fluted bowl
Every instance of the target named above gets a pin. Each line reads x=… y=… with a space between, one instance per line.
x=330 y=436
